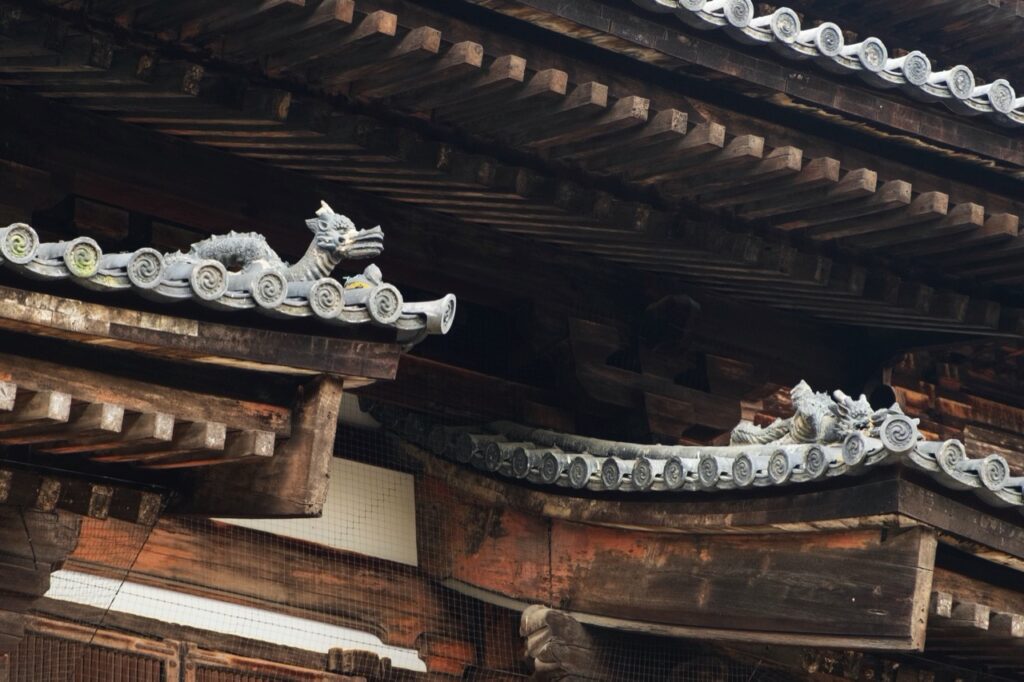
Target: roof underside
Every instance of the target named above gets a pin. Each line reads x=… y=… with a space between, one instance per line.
x=652 y=183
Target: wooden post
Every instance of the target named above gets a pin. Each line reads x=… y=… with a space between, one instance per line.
x=292 y=483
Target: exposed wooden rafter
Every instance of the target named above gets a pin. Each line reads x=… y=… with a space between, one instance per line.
x=699 y=162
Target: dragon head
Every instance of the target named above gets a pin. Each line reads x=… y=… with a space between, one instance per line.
x=858 y=415
x=338 y=235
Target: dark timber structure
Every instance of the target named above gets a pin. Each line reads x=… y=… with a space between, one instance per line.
x=665 y=221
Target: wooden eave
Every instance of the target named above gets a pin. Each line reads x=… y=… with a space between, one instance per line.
x=670 y=46
x=959 y=617
x=277 y=126
x=196 y=341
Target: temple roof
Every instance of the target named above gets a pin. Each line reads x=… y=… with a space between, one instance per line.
x=954 y=85
x=824 y=439
x=240 y=271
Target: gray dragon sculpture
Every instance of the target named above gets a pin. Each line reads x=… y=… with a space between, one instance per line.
x=817 y=418
x=239 y=271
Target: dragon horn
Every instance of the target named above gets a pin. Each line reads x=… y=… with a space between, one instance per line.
x=324 y=209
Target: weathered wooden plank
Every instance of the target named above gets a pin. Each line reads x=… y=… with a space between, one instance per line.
x=35 y=408
x=375 y=28
x=85 y=419
x=327 y=16
x=188 y=438
x=418 y=44
x=200 y=341
x=238 y=446
x=137 y=429
x=459 y=61
x=855 y=184
x=142 y=397
x=503 y=74
x=291 y=483
x=855 y=587
x=395 y=602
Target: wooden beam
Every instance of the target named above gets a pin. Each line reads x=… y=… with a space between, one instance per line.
x=65 y=318
x=206 y=558
x=580 y=568
x=291 y=483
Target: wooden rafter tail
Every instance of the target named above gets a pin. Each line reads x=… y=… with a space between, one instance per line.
x=8 y=396
x=855 y=209
x=960 y=218
x=742 y=152
x=325 y=18
x=239 y=446
x=85 y=420
x=814 y=177
x=776 y=171
x=818 y=192
x=699 y=144
x=364 y=32
x=626 y=113
x=664 y=127
x=503 y=74
x=492 y=110
x=897 y=216
x=988 y=235
x=945 y=612
x=154 y=428
x=583 y=102
x=36 y=408
x=458 y=62
x=188 y=438
x=378 y=61
x=996 y=250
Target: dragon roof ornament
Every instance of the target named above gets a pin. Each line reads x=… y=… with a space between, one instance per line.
x=240 y=271
x=827 y=436
x=914 y=73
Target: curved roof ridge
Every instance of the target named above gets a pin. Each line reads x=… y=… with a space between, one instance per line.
x=561 y=460
x=239 y=271
x=913 y=73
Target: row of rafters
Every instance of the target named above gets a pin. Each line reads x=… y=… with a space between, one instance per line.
x=367 y=54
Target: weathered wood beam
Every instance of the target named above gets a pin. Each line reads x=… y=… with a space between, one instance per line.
x=291 y=483
x=374 y=28
x=60 y=317
x=505 y=73
x=817 y=186
x=459 y=61
x=137 y=429
x=36 y=408
x=189 y=438
x=386 y=60
x=327 y=16
x=141 y=397
x=583 y=573
x=392 y=601
x=248 y=446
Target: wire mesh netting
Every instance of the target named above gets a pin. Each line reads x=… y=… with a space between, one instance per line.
x=300 y=599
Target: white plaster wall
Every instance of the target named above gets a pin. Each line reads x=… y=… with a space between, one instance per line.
x=210 y=614
x=369 y=510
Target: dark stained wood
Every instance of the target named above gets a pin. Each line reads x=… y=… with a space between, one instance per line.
x=395 y=602
x=141 y=397
x=874 y=596
x=291 y=483
x=195 y=340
